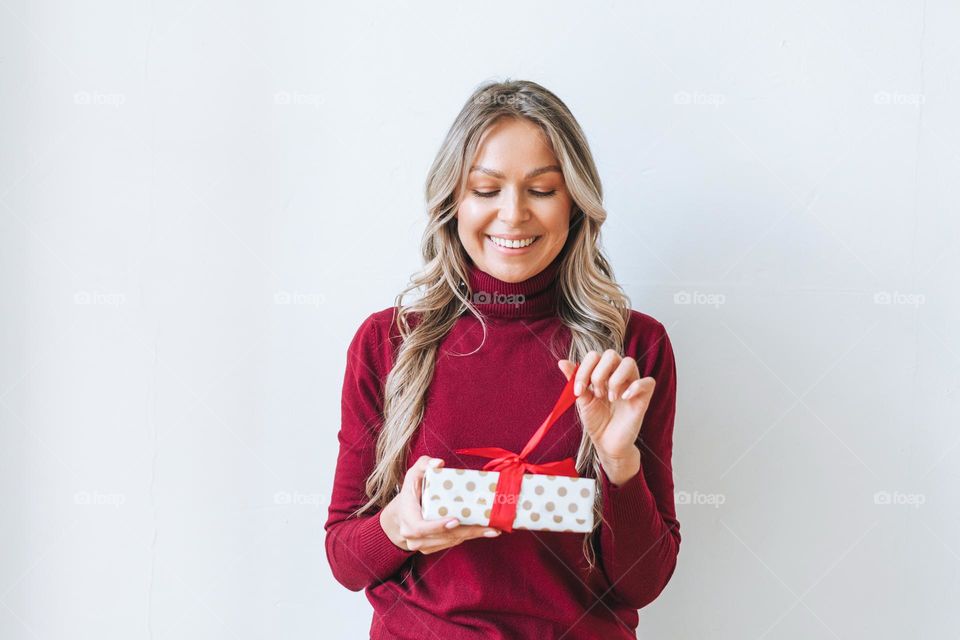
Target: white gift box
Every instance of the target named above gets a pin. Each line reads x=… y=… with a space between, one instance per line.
x=545 y=502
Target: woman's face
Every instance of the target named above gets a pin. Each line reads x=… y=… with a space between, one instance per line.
x=514 y=217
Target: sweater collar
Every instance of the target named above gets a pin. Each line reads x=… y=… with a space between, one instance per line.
x=535 y=296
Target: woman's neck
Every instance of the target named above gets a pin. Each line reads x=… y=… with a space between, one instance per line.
x=536 y=296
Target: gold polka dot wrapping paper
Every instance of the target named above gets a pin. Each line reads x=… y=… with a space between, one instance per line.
x=552 y=497
x=545 y=502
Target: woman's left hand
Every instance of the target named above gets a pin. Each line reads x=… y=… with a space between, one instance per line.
x=612 y=399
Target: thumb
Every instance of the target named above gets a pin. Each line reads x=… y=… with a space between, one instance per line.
x=567 y=367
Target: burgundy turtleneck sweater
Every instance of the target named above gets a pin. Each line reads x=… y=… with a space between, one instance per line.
x=524 y=584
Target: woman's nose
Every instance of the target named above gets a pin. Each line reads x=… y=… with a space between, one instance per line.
x=513 y=209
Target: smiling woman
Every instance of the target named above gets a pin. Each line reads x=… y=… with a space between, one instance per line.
x=514 y=219
x=515 y=286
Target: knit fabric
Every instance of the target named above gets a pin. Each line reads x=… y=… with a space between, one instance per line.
x=495 y=390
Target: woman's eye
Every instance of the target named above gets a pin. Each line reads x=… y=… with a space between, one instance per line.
x=533 y=192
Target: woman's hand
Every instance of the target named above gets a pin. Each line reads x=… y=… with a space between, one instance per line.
x=612 y=399
x=403 y=523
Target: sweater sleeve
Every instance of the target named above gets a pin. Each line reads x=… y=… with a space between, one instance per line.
x=358 y=550
x=640 y=539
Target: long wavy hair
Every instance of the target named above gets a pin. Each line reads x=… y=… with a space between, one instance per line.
x=591 y=304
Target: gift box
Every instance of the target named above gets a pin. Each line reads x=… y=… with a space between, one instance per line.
x=551 y=497
x=545 y=502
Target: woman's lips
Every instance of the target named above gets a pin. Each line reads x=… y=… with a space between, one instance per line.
x=512 y=250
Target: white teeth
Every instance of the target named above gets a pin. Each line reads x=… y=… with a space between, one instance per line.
x=512 y=244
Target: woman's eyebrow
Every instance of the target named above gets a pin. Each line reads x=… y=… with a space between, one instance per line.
x=531 y=174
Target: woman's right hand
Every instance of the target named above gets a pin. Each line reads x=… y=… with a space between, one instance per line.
x=403 y=523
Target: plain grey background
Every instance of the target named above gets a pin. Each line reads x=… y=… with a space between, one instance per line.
x=201 y=201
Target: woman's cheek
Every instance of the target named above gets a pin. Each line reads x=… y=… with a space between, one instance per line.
x=470 y=223
x=472 y=216
x=555 y=214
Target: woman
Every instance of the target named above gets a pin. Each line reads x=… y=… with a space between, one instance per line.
x=515 y=286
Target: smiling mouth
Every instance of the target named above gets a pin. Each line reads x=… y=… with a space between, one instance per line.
x=513 y=244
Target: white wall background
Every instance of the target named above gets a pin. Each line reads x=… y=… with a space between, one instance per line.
x=171 y=173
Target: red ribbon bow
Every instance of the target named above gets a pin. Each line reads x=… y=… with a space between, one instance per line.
x=512 y=465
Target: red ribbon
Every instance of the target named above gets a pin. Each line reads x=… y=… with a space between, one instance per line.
x=512 y=465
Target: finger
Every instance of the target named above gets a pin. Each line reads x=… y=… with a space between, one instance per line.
x=463 y=532
x=440 y=547
x=567 y=367
x=413 y=479
x=641 y=389
x=477 y=531
x=625 y=373
x=583 y=373
x=411 y=519
x=437 y=542
x=601 y=373
x=412 y=525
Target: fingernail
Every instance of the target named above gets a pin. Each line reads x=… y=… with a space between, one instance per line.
x=610 y=395
x=491 y=533
x=433 y=464
x=452 y=524
x=577 y=388
x=627 y=394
